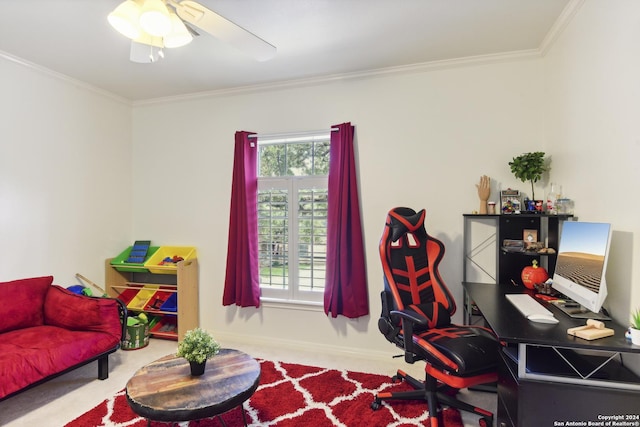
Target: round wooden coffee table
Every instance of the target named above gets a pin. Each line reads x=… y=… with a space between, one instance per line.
x=164 y=390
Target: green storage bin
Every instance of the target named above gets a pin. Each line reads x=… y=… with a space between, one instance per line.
x=120 y=262
x=137 y=336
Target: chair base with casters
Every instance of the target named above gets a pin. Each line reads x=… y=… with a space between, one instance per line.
x=437 y=394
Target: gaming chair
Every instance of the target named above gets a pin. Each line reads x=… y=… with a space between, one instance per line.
x=416 y=316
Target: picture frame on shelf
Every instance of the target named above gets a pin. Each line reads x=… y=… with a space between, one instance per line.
x=529 y=236
x=510 y=201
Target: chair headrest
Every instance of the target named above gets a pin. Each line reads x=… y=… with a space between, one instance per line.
x=405 y=220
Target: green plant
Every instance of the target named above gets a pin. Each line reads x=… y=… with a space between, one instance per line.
x=197 y=346
x=635 y=319
x=529 y=167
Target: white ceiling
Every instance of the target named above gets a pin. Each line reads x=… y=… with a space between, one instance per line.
x=314 y=38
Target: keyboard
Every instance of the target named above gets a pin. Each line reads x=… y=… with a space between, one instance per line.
x=527 y=305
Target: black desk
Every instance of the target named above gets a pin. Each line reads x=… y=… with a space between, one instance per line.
x=538 y=384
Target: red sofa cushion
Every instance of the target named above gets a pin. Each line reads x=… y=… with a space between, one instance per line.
x=22 y=302
x=32 y=354
x=68 y=310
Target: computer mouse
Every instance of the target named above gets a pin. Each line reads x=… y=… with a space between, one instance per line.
x=542 y=318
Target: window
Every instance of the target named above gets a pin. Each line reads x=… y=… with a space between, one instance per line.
x=292 y=217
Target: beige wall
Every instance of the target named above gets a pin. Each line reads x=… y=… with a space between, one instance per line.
x=65 y=176
x=423 y=140
x=592 y=106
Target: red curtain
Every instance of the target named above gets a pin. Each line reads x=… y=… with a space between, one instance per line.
x=242 y=281
x=345 y=290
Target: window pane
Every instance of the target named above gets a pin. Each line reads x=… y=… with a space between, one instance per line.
x=312 y=239
x=299 y=158
x=272 y=160
x=321 y=158
x=294 y=159
x=273 y=225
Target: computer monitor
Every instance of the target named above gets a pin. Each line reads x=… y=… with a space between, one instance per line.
x=581 y=266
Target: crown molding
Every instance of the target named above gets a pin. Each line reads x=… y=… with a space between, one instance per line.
x=559 y=26
x=550 y=38
x=63 y=77
x=314 y=81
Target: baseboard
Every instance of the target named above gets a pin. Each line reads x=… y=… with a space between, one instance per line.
x=321 y=349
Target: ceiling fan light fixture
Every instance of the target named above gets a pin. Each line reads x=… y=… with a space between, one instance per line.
x=145 y=54
x=125 y=18
x=155 y=24
x=149 y=40
x=179 y=35
x=146 y=49
x=154 y=18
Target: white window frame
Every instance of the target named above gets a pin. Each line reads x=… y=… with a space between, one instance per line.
x=292 y=294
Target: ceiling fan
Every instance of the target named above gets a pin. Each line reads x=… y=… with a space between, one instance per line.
x=155 y=24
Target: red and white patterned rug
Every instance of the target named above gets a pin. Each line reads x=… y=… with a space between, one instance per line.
x=291 y=395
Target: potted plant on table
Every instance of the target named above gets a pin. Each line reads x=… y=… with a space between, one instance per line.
x=197 y=346
x=529 y=167
x=634 y=330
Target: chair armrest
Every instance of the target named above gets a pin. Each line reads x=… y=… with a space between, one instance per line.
x=411 y=316
x=409 y=319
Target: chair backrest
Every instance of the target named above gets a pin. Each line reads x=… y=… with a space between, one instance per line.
x=410 y=259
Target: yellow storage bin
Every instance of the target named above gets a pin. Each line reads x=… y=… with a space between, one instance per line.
x=157 y=265
x=142 y=297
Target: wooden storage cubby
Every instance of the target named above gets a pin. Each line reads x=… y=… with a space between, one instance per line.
x=183 y=282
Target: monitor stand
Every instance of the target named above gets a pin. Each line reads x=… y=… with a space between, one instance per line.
x=575 y=310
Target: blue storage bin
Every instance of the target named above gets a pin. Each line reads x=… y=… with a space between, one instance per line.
x=171 y=304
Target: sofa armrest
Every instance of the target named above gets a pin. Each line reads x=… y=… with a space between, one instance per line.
x=71 y=311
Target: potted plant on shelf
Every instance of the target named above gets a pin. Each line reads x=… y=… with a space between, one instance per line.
x=197 y=346
x=634 y=330
x=529 y=167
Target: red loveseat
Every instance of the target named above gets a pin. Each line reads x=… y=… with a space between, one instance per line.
x=46 y=330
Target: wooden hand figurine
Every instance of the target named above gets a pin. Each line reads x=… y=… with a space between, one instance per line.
x=484 y=190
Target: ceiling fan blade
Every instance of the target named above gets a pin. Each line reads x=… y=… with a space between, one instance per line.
x=191 y=30
x=225 y=30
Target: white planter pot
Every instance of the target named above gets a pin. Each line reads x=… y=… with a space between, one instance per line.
x=635 y=336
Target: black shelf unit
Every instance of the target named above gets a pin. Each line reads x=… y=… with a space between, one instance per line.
x=506 y=267
x=509 y=265
x=547 y=227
